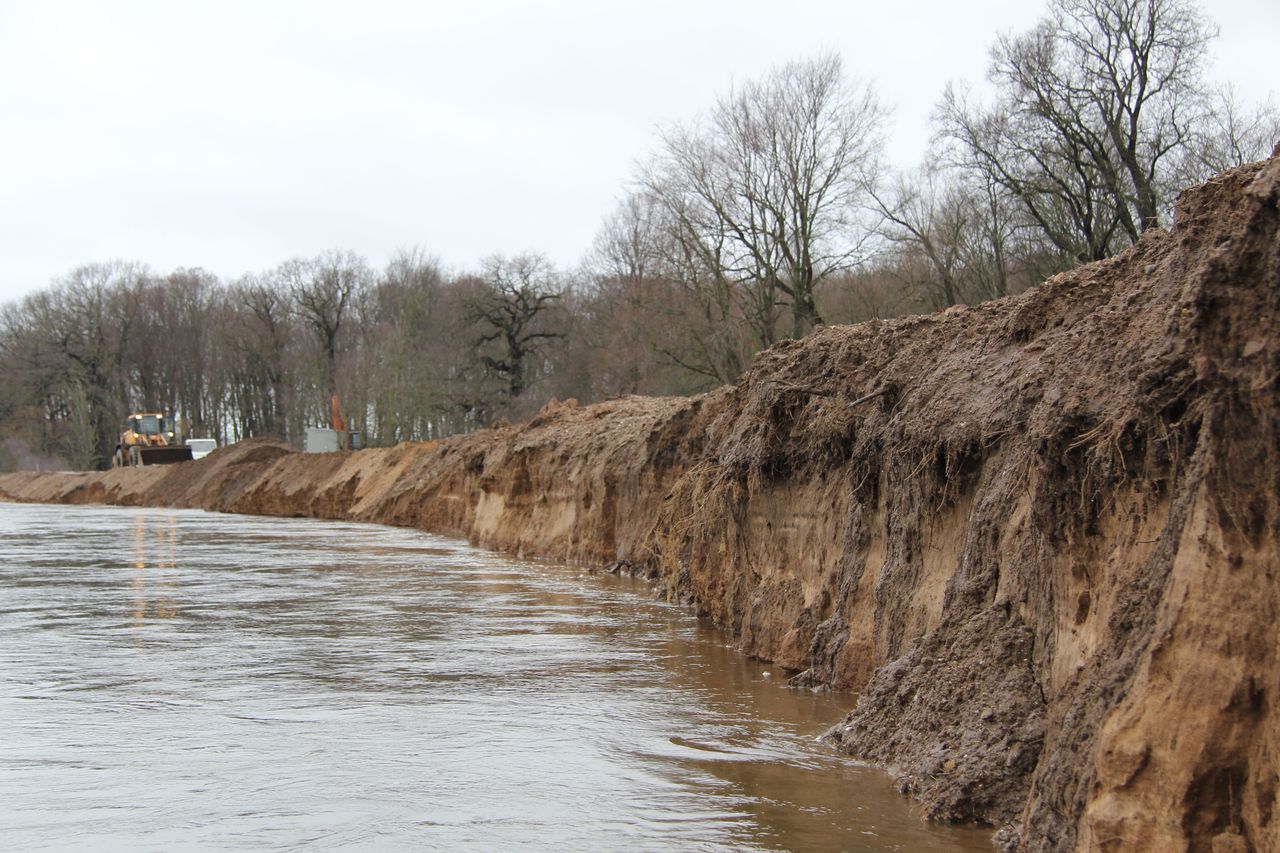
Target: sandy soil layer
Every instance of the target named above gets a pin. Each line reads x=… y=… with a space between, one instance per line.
x=1039 y=535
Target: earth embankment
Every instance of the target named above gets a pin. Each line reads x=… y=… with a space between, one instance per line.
x=1038 y=535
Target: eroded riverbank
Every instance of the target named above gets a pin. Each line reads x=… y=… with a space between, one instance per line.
x=1039 y=534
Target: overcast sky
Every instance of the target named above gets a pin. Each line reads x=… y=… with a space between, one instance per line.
x=241 y=134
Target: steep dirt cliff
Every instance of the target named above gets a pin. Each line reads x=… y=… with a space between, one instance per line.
x=1039 y=535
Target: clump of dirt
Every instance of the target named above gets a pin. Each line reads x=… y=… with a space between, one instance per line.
x=1038 y=535
x=964 y=738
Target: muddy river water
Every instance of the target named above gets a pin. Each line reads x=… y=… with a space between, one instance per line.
x=174 y=680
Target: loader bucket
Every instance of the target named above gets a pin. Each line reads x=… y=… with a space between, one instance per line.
x=161 y=455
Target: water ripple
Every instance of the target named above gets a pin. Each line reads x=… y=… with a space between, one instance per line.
x=184 y=681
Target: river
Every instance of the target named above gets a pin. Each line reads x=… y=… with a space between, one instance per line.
x=180 y=680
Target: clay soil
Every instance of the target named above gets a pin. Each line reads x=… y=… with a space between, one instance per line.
x=1038 y=535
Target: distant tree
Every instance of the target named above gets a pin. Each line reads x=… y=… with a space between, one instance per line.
x=510 y=311
x=259 y=335
x=920 y=215
x=875 y=292
x=408 y=334
x=665 y=268
x=167 y=352
x=711 y=326
x=640 y=310
x=1230 y=133
x=624 y=248
x=1097 y=109
x=322 y=290
x=775 y=179
x=963 y=228
x=192 y=296
x=67 y=346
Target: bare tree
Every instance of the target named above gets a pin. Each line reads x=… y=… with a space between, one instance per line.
x=961 y=226
x=93 y=318
x=510 y=311
x=704 y=308
x=409 y=330
x=260 y=335
x=321 y=290
x=69 y=347
x=1231 y=133
x=661 y=315
x=871 y=293
x=1094 y=105
x=624 y=248
x=774 y=177
x=167 y=352
x=623 y=269
x=921 y=215
x=191 y=294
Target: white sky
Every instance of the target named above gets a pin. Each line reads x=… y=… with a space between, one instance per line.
x=241 y=134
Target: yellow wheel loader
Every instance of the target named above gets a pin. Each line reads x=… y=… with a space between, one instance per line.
x=148 y=439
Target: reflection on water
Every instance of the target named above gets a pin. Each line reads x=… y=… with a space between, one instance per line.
x=180 y=680
x=154 y=547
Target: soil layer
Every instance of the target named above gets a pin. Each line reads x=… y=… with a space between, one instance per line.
x=1038 y=535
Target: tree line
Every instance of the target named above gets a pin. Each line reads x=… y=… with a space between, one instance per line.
x=774 y=212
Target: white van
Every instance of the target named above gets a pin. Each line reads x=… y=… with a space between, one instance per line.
x=201 y=446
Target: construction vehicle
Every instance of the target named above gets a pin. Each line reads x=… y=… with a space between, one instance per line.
x=149 y=439
x=334 y=437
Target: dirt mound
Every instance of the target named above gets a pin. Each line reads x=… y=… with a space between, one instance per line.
x=1038 y=534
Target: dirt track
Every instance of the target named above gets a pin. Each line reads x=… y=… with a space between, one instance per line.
x=1040 y=534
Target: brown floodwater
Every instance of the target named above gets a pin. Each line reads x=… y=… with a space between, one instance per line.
x=174 y=680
